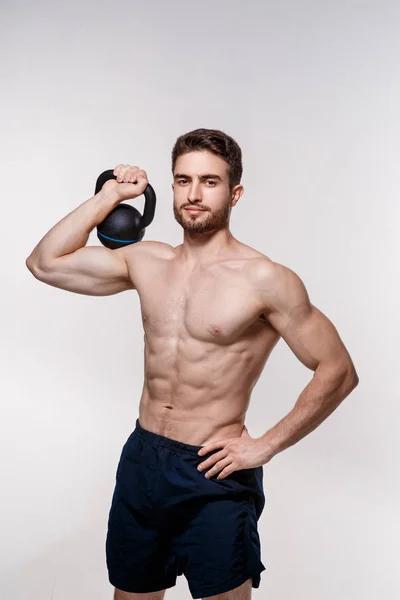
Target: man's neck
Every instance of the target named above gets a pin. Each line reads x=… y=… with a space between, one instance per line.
x=199 y=248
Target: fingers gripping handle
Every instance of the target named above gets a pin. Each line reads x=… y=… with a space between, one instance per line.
x=149 y=195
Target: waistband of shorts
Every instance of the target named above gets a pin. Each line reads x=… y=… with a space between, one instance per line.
x=161 y=440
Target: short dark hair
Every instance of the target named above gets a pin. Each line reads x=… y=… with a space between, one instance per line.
x=214 y=141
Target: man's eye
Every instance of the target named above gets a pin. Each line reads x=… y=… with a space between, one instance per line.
x=211 y=181
x=182 y=180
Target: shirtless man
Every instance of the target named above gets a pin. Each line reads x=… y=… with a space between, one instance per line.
x=189 y=483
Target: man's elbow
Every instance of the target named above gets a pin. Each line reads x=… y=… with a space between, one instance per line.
x=30 y=265
x=341 y=375
x=351 y=379
x=33 y=267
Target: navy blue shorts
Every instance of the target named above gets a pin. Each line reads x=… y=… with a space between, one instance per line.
x=167 y=519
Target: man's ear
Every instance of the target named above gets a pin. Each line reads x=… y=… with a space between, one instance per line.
x=237 y=192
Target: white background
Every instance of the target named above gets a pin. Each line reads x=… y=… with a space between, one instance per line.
x=311 y=91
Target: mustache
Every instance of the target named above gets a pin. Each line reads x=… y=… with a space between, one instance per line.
x=194 y=206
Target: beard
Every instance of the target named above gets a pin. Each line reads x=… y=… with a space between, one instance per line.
x=203 y=222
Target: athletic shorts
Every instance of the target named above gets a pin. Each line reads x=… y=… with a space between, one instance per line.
x=167 y=519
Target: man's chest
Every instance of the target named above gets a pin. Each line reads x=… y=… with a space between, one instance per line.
x=216 y=305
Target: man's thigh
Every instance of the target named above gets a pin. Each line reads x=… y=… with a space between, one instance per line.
x=243 y=592
x=120 y=595
x=218 y=548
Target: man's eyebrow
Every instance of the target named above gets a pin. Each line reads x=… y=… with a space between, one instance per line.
x=206 y=176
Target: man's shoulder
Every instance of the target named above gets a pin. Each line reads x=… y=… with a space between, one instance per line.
x=146 y=258
x=279 y=287
x=150 y=248
x=268 y=274
x=257 y=263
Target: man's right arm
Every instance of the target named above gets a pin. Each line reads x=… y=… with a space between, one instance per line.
x=61 y=259
x=92 y=271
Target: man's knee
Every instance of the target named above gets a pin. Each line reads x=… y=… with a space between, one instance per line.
x=242 y=592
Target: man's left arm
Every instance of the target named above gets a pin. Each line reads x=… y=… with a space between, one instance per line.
x=315 y=341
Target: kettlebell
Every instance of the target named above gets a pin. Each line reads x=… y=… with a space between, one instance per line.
x=124 y=225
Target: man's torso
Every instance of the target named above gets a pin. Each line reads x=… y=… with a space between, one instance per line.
x=206 y=342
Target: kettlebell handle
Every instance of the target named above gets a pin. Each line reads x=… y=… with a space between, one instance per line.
x=149 y=195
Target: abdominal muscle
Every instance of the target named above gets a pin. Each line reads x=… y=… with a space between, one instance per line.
x=202 y=393
x=191 y=426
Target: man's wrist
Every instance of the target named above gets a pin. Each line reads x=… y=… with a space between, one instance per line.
x=269 y=449
x=108 y=197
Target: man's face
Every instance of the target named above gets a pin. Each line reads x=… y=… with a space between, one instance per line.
x=201 y=181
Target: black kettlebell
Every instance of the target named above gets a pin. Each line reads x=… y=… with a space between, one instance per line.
x=124 y=225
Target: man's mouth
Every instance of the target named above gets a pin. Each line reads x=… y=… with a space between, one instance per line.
x=192 y=209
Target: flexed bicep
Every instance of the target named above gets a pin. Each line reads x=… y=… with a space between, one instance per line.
x=92 y=271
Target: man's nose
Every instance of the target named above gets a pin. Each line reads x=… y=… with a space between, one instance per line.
x=194 y=192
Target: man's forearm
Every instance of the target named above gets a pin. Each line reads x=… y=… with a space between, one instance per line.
x=318 y=400
x=72 y=232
